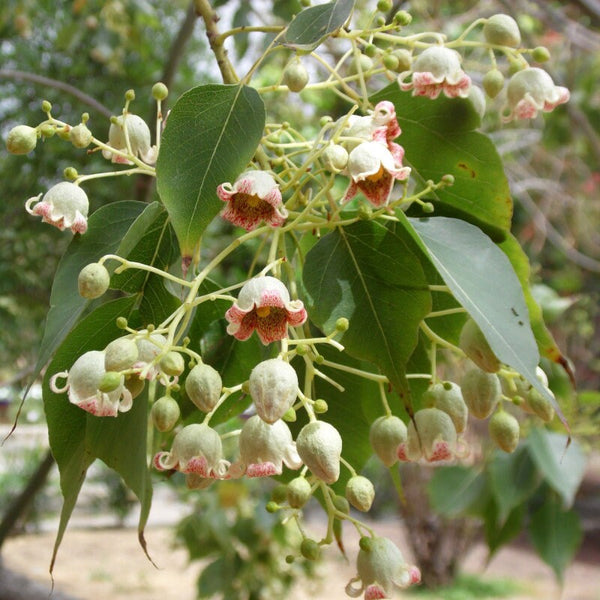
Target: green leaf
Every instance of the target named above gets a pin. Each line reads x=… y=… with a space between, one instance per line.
x=499 y=532
x=513 y=479
x=454 y=489
x=561 y=466
x=211 y=135
x=106 y=228
x=438 y=138
x=314 y=24
x=482 y=279
x=77 y=438
x=556 y=535
x=368 y=274
x=546 y=344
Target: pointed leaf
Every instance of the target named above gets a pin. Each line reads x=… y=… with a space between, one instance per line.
x=106 y=228
x=513 y=479
x=556 y=535
x=452 y=490
x=561 y=466
x=500 y=532
x=438 y=138
x=482 y=279
x=78 y=438
x=212 y=133
x=314 y=24
x=368 y=274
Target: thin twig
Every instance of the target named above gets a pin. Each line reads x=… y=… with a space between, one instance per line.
x=59 y=85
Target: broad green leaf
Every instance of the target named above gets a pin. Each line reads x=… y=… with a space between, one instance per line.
x=438 y=138
x=106 y=228
x=546 y=344
x=513 y=479
x=482 y=279
x=500 y=532
x=78 y=438
x=556 y=535
x=561 y=466
x=314 y=24
x=368 y=274
x=211 y=135
x=452 y=490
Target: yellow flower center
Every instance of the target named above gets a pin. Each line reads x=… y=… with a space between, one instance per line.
x=263 y=311
x=377 y=176
x=252 y=201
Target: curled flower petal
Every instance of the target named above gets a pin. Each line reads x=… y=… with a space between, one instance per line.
x=264 y=305
x=253 y=198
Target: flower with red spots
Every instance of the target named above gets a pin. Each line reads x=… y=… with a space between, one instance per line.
x=436 y=70
x=530 y=91
x=264 y=449
x=253 y=198
x=65 y=205
x=373 y=168
x=264 y=304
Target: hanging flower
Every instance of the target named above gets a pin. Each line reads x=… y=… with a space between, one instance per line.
x=264 y=449
x=139 y=136
x=65 y=205
x=381 y=568
x=85 y=378
x=437 y=69
x=197 y=450
x=253 y=198
x=264 y=304
x=385 y=123
x=530 y=91
x=373 y=167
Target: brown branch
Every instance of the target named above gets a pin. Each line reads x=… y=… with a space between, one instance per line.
x=210 y=18
x=59 y=85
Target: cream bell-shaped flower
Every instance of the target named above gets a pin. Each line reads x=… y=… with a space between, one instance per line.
x=373 y=168
x=253 y=198
x=530 y=91
x=381 y=568
x=149 y=348
x=431 y=437
x=437 y=69
x=264 y=449
x=273 y=387
x=83 y=380
x=65 y=205
x=264 y=304
x=197 y=450
x=139 y=140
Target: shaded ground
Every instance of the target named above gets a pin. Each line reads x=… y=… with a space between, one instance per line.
x=107 y=564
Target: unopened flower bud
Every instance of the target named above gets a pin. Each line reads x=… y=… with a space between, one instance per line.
x=21 y=139
x=298 y=492
x=342 y=324
x=341 y=504
x=289 y=416
x=310 y=549
x=130 y=95
x=502 y=30
x=81 y=136
x=404 y=59
x=363 y=64
x=320 y=445
x=391 y=62
x=335 y=157
x=274 y=388
x=384 y=5
x=120 y=354
x=295 y=76
x=320 y=406
x=159 y=91
x=481 y=392
x=385 y=435
x=402 y=18
x=47 y=130
x=493 y=82
x=370 y=50
x=448 y=397
x=203 y=386
x=504 y=431
x=360 y=493
x=165 y=413
x=540 y=54
x=474 y=344
x=46 y=106
x=110 y=382
x=539 y=405
x=71 y=173
x=93 y=281
x=272 y=507
x=172 y=364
